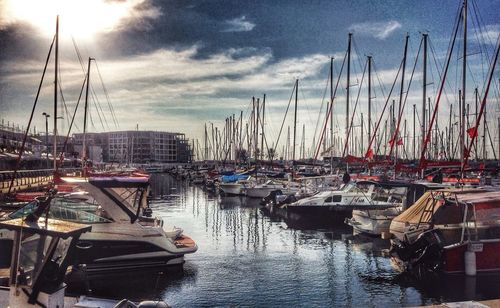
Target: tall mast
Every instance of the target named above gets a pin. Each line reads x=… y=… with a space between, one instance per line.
x=464 y=79
x=257 y=121
x=263 y=123
x=369 y=98
x=347 y=92
x=331 y=115
x=84 y=147
x=206 y=145
x=295 y=123
x=395 y=135
x=424 y=90
x=414 y=129
x=55 y=92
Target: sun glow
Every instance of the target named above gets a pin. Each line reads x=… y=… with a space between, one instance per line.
x=80 y=18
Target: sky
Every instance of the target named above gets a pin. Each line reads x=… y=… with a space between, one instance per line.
x=176 y=65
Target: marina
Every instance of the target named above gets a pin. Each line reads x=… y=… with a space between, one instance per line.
x=282 y=265
x=244 y=172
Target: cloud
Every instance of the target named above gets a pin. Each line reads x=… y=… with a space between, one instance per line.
x=490 y=34
x=240 y=24
x=105 y=16
x=380 y=30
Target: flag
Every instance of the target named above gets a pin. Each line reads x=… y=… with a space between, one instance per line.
x=369 y=153
x=400 y=141
x=391 y=142
x=472 y=132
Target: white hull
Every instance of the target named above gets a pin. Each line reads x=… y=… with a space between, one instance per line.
x=232 y=188
x=262 y=192
x=373 y=222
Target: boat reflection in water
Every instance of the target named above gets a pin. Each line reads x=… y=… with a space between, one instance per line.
x=248 y=257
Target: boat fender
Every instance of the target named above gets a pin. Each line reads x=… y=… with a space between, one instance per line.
x=470 y=263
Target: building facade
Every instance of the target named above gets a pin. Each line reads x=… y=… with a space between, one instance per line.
x=139 y=147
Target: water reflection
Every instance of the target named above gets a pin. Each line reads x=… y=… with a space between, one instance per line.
x=250 y=257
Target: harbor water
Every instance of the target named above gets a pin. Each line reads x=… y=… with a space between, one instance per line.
x=248 y=258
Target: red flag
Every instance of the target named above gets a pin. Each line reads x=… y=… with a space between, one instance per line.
x=369 y=153
x=472 y=132
x=391 y=142
x=399 y=142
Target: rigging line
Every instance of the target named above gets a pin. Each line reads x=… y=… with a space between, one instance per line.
x=400 y=114
x=383 y=109
x=78 y=54
x=381 y=84
x=97 y=106
x=482 y=26
x=329 y=113
x=322 y=105
x=105 y=90
x=286 y=112
x=354 y=111
x=73 y=118
x=95 y=97
x=357 y=53
x=438 y=98
x=110 y=105
x=439 y=69
x=477 y=33
x=63 y=100
x=305 y=103
x=486 y=53
x=18 y=161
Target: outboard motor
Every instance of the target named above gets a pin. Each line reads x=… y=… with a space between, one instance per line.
x=423 y=254
x=271 y=197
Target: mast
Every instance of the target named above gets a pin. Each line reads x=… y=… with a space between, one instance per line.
x=56 y=68
x=422 y=163
x=424 y=92
x=347 y=92
x=331 y=115
x=295 y=124
x=414 y=130
x=257 y=121
x=263 y=123
x=464 y=80
x=369 y=97
x=395 y=136
x=84 y=146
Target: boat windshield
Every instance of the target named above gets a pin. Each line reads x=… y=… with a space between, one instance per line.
x=347 y=187
x=69 y=210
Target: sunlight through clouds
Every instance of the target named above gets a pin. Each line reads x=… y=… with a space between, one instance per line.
x=81 y=18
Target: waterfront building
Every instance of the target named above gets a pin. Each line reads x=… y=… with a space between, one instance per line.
x=138 y=147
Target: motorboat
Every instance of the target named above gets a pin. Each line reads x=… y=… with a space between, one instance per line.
x=42 y=254
x=338 y=204
x=263 y=190
x=121 y=238
x=374 y=220
x=449 y=230
x=234 y=184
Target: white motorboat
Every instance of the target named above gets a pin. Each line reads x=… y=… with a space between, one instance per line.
x=41 y=256
x=121 y=238
x=336 y=205
x=263 y=190
x=235 y=188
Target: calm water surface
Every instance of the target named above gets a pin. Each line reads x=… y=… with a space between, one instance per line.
x=246 y=258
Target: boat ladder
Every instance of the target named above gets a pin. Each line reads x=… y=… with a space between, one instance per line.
x=429 y=210
x=472 y=233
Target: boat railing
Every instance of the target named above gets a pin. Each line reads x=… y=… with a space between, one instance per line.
x=466 y=228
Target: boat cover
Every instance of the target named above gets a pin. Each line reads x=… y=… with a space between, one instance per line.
x=233 y=178
x=487 y=201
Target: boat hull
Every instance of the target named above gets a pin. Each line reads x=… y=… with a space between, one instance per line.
x=487 y=256
x=232 y=189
